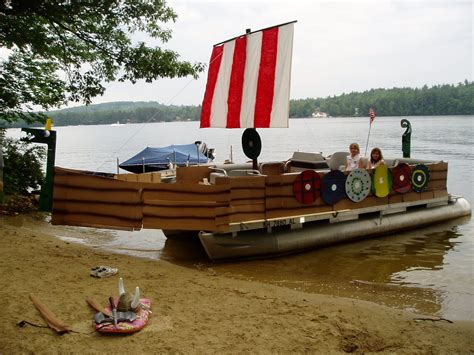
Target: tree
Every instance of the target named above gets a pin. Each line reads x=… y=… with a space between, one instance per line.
x=66 y=50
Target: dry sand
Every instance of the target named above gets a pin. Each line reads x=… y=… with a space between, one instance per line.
x=194 y=311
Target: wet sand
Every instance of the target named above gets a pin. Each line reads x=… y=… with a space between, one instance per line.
x=195 y=310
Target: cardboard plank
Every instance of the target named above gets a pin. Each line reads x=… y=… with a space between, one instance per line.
x=248 y=201
x=185 y=196
x=285 y=179
x=398 y=198
x=425 y=195
x=295 y=212
x=187 y=188
x=369 y=201
x=279 y=191
x=181 y=212
x=173 y=203
x=442 y=166
x=94 y=182
x=440 y=193
x=411 y=196
x=243 y=217
x=100 y=209
x=88 y=220
x=240 y=194
x=289 y=202
x=193 y=224
x=81 y=194
x=192 y=174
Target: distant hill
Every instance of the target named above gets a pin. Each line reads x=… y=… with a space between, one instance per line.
x=435 y=100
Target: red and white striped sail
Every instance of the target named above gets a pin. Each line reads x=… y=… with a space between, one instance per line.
x=248 y=84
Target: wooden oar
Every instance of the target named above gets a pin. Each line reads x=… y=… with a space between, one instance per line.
x=50 y=317
x=96 y=305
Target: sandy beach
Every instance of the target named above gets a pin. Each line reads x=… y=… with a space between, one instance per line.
x=194 y=310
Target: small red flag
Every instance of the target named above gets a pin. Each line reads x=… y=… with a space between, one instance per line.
x=371 y=115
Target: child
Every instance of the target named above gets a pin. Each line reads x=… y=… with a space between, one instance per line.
x=376 y=159
x=353 y=160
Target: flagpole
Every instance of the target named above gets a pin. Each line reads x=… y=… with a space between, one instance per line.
x=371 y=119
x=367 y=144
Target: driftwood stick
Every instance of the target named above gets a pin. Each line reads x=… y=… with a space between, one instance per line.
x=50 y=318
x=434 y=319
x=96 y=305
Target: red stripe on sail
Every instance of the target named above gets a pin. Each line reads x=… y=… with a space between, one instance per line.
x=214 y=66
x=266 y=78
x=236 y=86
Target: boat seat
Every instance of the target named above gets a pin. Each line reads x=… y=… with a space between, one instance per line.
x=337 y=161
x=273 y=168
x=302 y=161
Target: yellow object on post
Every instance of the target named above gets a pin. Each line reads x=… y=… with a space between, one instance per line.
x=48 y=125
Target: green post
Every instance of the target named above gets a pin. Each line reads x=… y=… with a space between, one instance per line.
x=406 y=138
x=47 y=137
x=2 y=164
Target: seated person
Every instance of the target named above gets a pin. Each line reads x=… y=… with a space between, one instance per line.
x=376 y=159
x=353 y=160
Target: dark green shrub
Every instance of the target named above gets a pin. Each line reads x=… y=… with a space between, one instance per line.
x=22 y=173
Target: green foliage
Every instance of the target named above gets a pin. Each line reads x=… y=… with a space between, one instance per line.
x=64 y=51
x=23 y=161
x=437 y=100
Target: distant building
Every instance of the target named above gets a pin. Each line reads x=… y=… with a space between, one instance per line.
x=319 y=114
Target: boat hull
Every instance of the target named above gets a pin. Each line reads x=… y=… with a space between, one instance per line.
x=259 y=243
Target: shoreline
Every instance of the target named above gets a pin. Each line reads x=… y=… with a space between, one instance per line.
x=194 y=310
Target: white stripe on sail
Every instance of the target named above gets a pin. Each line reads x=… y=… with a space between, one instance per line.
x=252 y=65
x=221 y=92
x=281 y=94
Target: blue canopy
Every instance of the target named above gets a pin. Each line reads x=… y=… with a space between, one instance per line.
x=159 y=158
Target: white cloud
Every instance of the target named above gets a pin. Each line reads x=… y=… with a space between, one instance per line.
x=339 y=46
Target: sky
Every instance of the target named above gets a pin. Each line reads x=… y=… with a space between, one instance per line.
x=338 y=47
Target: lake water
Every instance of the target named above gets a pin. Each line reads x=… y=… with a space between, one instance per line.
x=428 y=270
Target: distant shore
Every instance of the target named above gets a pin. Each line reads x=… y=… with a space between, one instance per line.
x=194 y=310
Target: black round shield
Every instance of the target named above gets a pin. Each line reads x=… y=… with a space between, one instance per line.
x=333 y=187
x=251 y=143
x=420 y=177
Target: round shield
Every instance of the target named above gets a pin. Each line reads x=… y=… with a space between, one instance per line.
x=358 y=185
x=401 y=178
x=251 y=143
x=306 y=187
x=333 y=187
x=420 y=177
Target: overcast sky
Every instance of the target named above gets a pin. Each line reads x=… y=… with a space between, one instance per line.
x=339 y=46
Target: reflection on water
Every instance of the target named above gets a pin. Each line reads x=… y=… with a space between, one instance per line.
x=400 y=270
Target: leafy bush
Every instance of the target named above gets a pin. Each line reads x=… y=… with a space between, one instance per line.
x=23 y=161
